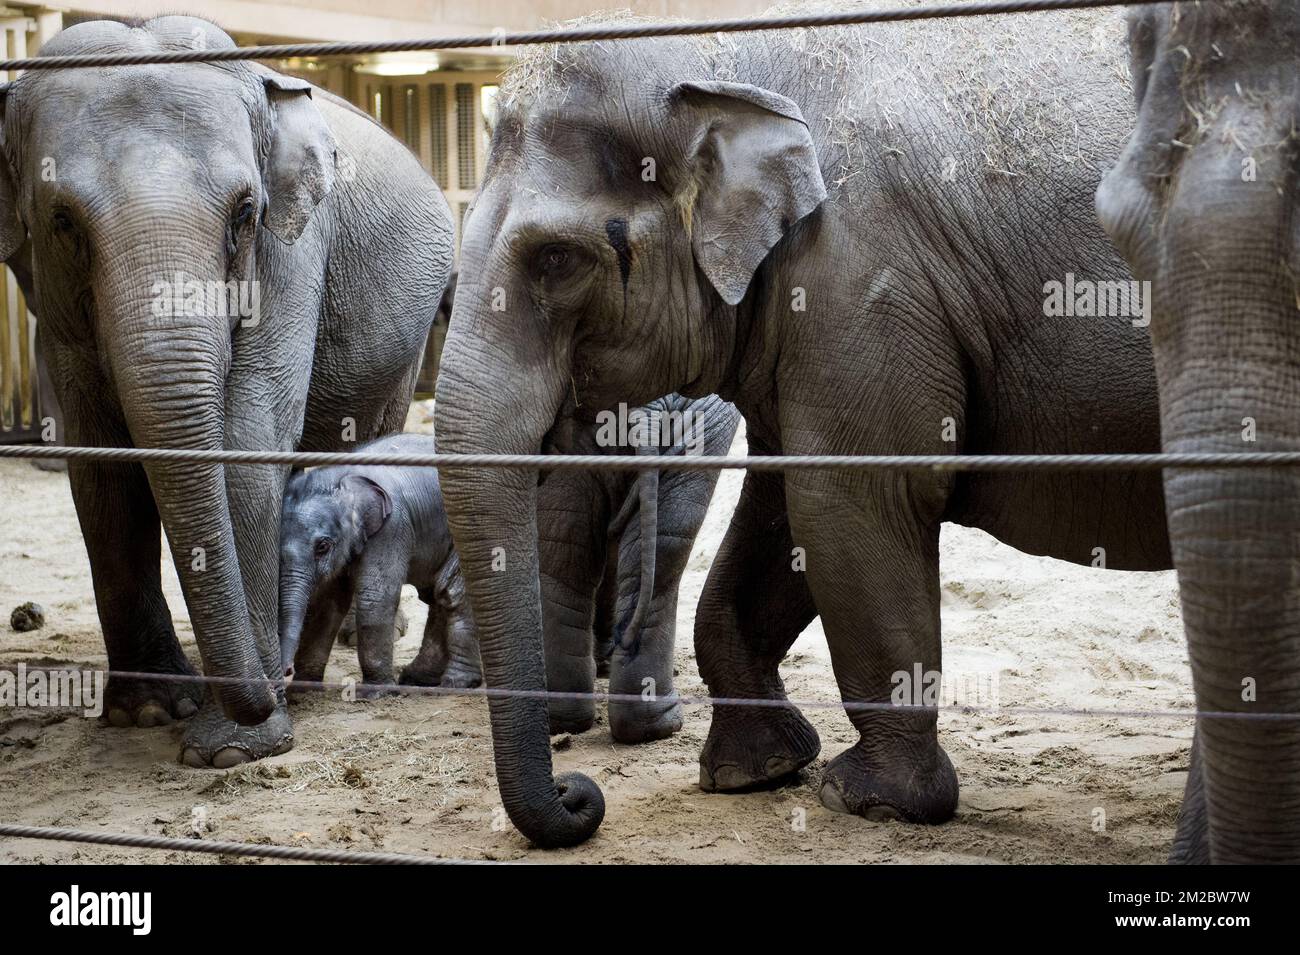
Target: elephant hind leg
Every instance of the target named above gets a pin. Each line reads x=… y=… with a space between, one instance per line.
x=873 y=568
x=754 y=605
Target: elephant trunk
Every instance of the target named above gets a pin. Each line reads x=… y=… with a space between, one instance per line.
x=491 y=401
x=169 y=373
x=1228 y=359
x=295 y=597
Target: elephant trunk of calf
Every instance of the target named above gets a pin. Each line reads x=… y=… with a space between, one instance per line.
x=172 y=393
x=295 y=595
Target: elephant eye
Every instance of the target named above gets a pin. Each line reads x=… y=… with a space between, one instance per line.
x=62 y=221
x=553 y=259
x=243 y=212
x=323 y=546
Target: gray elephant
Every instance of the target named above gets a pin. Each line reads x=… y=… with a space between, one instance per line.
x=1203 y=204
x=851 y=239
x=612 y=551
x=220 y=256
x=350 y=537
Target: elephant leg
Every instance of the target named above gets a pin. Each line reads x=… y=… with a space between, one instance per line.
x=120 y=526
x=464 y=668
x=320 y=628
x=255 y=494
x=602 y=624
x=873 y=567
x=1192 y=837
x=655 y=712
x=430 y=663
x=572 y=522
x=755 y=603
x=376 y=603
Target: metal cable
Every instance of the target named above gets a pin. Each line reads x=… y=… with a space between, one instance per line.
x=616 y=31
x=402 y=689
x=213 y=847
x=627 y=462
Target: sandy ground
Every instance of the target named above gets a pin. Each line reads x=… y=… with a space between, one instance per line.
x=415 y=775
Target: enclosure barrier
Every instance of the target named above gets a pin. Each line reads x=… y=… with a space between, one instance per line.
x=933 y=462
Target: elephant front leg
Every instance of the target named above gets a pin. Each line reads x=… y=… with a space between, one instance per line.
x=873 y=568
x=120 y=526
x=255 y=497
x=755 y=603
x=572 y=522
x=376 y=616
x=320 y=628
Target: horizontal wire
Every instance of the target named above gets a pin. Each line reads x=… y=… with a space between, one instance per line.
x=214 y=847
x=615 y=31
x=404 y=689
x=628 y=462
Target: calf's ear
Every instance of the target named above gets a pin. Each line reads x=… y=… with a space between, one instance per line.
x=753 y=174
x=369 y=504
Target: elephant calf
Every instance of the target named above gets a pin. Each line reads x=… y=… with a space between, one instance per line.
x=612 y=551
x=357 y=534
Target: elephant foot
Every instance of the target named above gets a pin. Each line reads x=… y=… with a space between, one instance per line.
x=129 y=702
x=460 y=676
x=571 y=716
x=856 y=783
x=417 y=674
x=754 y=747
x=213 y=740
x=645 y=720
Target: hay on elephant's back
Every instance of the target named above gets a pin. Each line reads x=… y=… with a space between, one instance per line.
x=985 y=74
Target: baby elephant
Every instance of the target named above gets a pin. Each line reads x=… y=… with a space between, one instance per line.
x=355 y=534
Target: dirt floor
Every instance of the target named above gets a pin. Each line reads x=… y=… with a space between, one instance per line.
x=415 y=775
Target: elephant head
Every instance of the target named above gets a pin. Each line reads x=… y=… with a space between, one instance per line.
x=324 y=527
x=624 y=211
x=1204 y=204
x=145 y=195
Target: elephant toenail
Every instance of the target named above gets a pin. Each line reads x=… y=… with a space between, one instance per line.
x=192 y=757
x=882 y=813
x=151 y=714
x=186 y=708
x=833 y=799
x=229 y=756
x=120 y=718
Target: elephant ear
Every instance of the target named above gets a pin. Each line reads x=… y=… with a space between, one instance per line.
x=300 y=167
x=368 y=504
x=12 y=231
x=754 y=174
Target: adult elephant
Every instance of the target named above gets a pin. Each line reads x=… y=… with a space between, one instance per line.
x=851 y=241
x=221 y=256
x=1204 y=205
